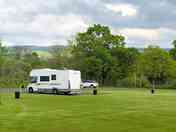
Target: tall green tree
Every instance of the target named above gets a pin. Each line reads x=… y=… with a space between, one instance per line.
x=157 y=65
x=173 y=50
x=3 y=55
x=101 y=55
x=33 y=59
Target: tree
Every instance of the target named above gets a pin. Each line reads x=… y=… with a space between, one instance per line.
x=19 y=52
x=33 y=59
x=173 y=51
x=3 y=52
x=157 y=65
x=60 y=57
x=13 y=72
x=101 y=55
x=3 y=55
x=138 y=71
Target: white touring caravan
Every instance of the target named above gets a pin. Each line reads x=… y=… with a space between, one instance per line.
x=54 y=81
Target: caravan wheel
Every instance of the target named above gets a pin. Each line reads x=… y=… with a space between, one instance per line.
x=55 y=91
x=66 y=93
x=31 y=90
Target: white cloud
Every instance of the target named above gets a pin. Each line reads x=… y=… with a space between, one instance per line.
x=45 y=29
x=123 y=9
x=142 y=37
x=44 y=22
x=146 y=34
x=167 y=37
x=64 y=25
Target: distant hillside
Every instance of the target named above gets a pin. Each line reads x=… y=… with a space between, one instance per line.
x=40 y=48
x=43 y=51
x=142 y=49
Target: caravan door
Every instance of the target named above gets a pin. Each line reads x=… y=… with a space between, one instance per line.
x=43 y=83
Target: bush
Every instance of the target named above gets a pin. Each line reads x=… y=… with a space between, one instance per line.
x=171 y=84
x=12 y=83
x=130 y=82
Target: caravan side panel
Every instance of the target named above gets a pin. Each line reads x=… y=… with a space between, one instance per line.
x=61 y=80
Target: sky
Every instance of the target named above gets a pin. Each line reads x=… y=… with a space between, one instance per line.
x=51 y=22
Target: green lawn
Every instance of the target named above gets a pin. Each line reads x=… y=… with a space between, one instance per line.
x=122 y=110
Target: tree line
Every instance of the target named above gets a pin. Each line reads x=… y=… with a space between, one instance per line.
x=99 y=55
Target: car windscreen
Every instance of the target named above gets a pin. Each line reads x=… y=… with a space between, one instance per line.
x=89 y=81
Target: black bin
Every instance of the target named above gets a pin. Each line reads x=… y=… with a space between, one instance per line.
x=17 y=94
x=152 y=91
x=95 y=92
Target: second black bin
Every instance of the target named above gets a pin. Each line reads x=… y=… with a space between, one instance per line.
x=17 y=94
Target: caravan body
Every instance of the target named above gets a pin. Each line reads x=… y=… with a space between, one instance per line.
x=55 y=81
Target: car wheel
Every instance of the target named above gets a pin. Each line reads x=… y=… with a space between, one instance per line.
x=31 y=90
x=92 y=86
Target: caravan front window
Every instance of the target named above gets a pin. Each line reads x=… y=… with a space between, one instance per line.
x=33 y=79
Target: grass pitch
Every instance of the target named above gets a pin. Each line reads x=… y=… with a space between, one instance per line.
x=124 y=110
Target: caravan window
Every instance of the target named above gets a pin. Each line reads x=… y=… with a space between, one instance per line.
x=33 y=79
x=53 y=77
x=44 y=78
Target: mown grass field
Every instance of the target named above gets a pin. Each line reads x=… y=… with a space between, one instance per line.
x=121 y=110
